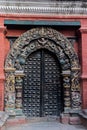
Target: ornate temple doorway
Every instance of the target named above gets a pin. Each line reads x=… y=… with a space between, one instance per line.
x=42 y=75
x=42 y=87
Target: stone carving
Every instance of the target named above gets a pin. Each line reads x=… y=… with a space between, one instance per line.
x=42 y=41
x=50 y=39
x=76 y=99
x=18 y=85
x=10 y=91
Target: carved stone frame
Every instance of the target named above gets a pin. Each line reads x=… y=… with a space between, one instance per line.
x=52 y=40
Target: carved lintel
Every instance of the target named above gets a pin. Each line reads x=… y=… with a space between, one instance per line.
x=19 y=73
x=9 y=69
x=66 y=73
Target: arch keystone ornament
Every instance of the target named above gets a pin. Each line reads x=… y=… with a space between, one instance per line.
x=29 y=42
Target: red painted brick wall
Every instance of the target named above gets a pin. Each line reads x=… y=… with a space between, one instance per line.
x=80 y=46
x=83 y=30
x=2 y=55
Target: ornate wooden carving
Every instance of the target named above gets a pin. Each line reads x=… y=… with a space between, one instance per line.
x=10 y=90
x=55 y=42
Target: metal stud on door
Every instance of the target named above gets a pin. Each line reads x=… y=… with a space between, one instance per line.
x=31 y=90
x=42 y=85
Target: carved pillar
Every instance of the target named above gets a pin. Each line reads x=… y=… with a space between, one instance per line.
x=10 y=91
x=83 y=31
x=13 y=91
x=75 y=89
x=66 y=87
x=18 y=87
x=2 y=57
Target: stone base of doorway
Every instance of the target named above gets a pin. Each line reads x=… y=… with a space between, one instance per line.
x=18 y=120
x=83 y=117
x=64 y=118
x=15 y=120
x=3 y=118
x=72 y=119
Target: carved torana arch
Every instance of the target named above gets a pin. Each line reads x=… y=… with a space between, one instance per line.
x=30 y=41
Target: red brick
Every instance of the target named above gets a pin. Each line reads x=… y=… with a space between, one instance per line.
x=15 y=121
x=75 y=120
x=64 y=118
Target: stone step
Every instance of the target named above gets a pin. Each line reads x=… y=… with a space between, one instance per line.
x=12 y=121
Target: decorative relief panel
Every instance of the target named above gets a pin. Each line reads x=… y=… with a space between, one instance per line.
x=50 y=39
x=10 y=90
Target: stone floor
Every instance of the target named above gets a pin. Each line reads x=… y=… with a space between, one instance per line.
x=46 y=126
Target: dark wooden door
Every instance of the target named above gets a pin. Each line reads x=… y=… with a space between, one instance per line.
x=42 y=89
